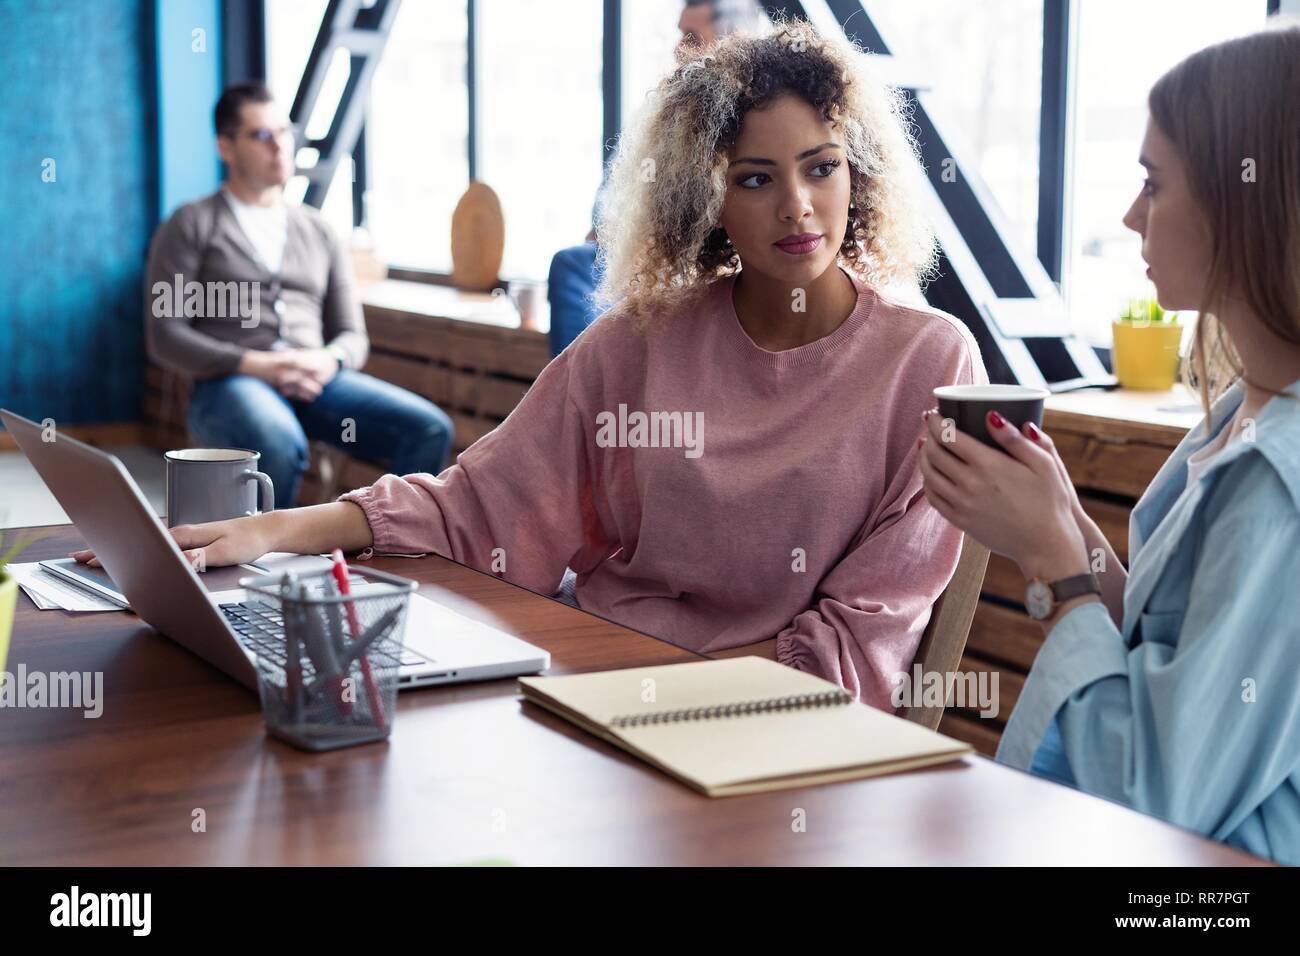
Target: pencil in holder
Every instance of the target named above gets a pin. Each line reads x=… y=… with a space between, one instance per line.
x=328 y=666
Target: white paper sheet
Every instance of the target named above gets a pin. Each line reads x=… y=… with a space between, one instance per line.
x=49 y=592
x=286 y=561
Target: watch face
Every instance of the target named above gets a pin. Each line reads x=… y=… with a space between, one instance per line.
x=1038 y=600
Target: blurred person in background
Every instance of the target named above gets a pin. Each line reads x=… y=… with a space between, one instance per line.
x=290 y=370
x=575 y=273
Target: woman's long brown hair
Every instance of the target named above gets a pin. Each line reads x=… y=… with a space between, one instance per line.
x=1232 y=111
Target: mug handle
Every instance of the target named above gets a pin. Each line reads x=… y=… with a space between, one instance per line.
x=268 y=489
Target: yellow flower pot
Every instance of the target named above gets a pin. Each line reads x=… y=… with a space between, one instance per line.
x=8 y=600
x=1146 y=354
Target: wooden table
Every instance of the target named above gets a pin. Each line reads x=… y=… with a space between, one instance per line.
x=470 y=773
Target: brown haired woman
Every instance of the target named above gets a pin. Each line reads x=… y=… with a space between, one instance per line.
x=727 y=458
x=1174 y=688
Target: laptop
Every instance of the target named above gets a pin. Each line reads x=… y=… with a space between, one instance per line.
x=147 y=566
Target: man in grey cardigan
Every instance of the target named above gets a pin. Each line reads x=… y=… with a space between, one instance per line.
x=252 y=299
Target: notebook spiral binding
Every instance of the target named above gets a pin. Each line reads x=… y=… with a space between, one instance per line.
x=745 y=708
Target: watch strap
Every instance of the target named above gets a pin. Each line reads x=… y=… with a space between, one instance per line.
x=1075 y=586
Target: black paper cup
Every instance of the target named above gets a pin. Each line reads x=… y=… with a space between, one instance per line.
x=968 y=406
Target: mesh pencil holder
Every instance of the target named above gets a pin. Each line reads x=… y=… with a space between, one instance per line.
x=328 y=664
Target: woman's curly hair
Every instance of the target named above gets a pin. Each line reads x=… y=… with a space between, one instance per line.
x=660 y=243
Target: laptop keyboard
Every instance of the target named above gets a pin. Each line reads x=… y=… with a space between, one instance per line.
x=261 y=630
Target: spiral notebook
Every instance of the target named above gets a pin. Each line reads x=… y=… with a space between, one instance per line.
x=742 y=725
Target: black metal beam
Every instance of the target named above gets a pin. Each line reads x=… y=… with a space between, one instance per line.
x=857 y=25
x=313 y=74
x=1005 y=296
x=1053 y=136
x=243 y=41
x=360 y=179
x=788 y=10
x=611 y=78
x=362 y=31
x=969 y=206
x=472 y=140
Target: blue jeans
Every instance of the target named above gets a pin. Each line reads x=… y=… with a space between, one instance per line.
x=1050 y=760
x=368 y=418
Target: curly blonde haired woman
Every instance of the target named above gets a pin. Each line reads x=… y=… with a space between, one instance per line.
x=727 y=458
x=1174 y=689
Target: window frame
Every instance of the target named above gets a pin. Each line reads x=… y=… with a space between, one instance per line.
x=244 y=26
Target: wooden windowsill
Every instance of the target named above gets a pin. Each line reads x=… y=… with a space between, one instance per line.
x=1159 y=417
x=445 y=302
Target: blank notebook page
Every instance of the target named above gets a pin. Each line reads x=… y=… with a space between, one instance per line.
x=747 y=751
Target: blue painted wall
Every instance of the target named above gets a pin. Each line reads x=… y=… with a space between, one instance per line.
x=189 y=82
x=80 y=86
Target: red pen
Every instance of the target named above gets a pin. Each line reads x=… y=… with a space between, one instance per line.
x=340 y=572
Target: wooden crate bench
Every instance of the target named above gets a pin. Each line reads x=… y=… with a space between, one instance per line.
x=467 y=352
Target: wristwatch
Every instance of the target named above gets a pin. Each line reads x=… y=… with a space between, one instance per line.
x=1041 y=598
x=340 y=356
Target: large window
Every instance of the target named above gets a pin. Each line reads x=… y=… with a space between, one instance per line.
x=291 y=27
x=981 y=64
x=1123 y=48
x=417 y=129
x=540 y=112
x=540 y=119
x=650 y=36
x=540 y=109
x=416 y=125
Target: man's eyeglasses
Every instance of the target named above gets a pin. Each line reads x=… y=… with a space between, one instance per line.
x=264 y=134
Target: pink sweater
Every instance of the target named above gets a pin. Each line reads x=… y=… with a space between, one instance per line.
x=784 y=500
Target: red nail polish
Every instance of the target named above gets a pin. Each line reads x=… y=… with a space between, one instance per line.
x=1033 y=431
x=996 y=420
x=920 y=442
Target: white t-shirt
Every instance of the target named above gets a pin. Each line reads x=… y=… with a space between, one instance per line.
x=1201 y=458
x=265 y=226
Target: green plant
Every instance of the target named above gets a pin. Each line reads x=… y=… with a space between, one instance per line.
x=7 y=555
x=1146 y=311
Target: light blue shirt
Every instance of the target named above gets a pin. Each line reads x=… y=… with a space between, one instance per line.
x=1194 y=716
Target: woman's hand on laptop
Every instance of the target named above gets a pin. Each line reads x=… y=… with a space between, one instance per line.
x=310 y=530
x=219 y=543
x=214 y=544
